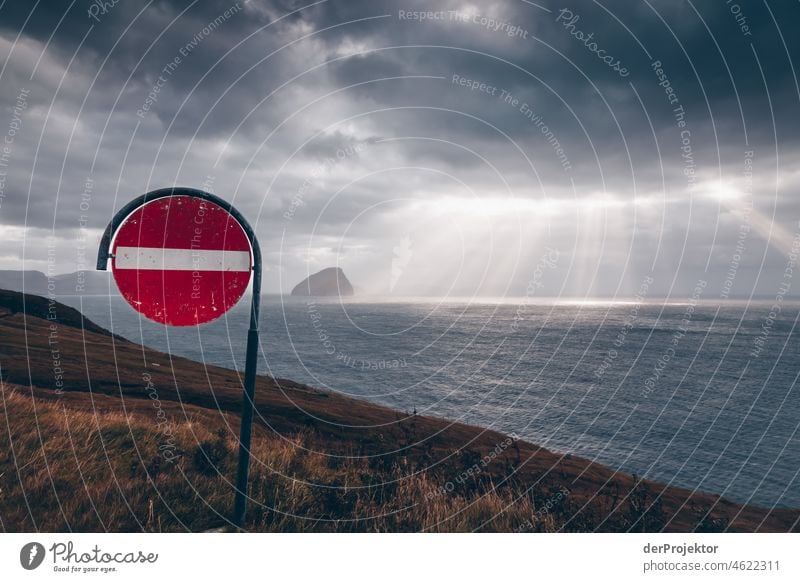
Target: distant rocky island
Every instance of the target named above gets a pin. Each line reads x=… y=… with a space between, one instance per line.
x=330 y=282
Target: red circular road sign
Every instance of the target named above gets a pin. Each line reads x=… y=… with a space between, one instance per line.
x=181 y=260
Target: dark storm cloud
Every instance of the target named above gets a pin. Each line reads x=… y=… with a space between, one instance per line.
x=261 y=98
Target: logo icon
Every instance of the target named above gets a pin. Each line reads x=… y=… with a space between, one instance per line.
x=31 y=555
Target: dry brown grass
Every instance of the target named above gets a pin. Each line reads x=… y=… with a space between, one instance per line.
x=64 y=469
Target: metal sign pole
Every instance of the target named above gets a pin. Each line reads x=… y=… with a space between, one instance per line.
x=251 y=361
x=250 y=368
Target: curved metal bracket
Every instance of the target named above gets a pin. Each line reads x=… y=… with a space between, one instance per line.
x=105 y=242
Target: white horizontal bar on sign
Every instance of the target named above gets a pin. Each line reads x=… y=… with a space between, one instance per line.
x=157 y=259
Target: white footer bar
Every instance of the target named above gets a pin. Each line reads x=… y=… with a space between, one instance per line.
x=404 y=557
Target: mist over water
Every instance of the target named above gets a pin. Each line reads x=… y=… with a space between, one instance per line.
x=678 y=393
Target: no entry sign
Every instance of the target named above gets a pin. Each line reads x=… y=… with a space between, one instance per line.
x=181 y=260
x=183 y=256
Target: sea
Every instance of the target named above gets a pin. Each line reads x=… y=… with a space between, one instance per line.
x=698 y=394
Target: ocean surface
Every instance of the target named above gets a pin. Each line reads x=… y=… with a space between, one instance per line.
x=700 y=394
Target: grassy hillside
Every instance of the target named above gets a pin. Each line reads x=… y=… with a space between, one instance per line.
x=98 y=433
x=87 y=471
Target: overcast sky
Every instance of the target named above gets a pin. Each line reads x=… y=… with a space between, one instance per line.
x=490 y=148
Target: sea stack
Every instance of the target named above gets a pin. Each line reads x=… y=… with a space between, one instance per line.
x=330 y=282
